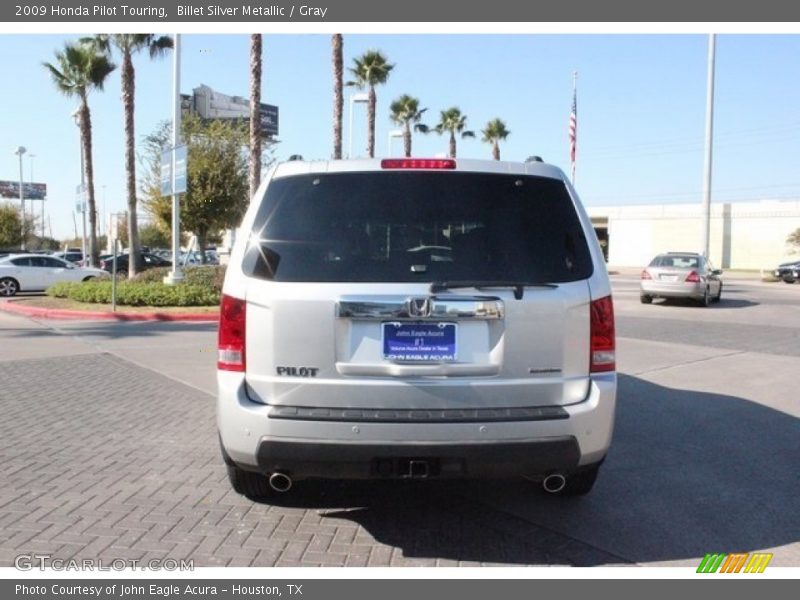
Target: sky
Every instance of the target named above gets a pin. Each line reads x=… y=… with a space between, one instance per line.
x=641 y=107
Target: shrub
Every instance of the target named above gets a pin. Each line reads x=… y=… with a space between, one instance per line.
x=154 y=275
x=210 y=276
x=135 y=293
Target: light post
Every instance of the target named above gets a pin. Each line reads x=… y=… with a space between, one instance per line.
x=706 y=226
x=82 y=195
x=19 y=152
x=354 y=98
x=395 y=133
x=176 y=274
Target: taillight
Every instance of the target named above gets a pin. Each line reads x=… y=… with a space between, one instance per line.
x=645 y=275
x=418 y=163
x=693 y=277
x=230 y=347
x=603 y=355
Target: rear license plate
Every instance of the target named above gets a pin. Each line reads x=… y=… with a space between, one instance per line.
x=669 y=278
x=423 y=342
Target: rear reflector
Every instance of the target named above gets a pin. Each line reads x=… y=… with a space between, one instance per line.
x=418 y=163
x=645 y=275
x=693 y=277
x=230 y=347
x=603 y=345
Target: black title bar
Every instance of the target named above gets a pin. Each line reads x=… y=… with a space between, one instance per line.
x=439 y=11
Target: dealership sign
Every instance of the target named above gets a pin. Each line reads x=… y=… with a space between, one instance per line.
x=32 y=191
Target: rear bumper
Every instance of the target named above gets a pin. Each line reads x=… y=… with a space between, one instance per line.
x=673 y=290
x=255 y=440
x=353 y=460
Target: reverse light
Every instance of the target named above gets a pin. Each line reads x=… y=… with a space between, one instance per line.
x=603 y=344
x=231 y=340
x=418 y=163
x=693 y=277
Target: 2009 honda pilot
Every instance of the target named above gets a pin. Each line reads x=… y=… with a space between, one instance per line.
x=416 y=318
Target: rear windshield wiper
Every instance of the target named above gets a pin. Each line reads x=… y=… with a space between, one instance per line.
x=517 y=286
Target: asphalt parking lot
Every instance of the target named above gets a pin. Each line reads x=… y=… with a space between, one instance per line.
x=108 y=449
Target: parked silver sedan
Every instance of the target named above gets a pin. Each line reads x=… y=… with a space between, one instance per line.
x=681 y=275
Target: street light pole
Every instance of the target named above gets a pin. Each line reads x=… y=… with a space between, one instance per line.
x=712 y=42
x=19 y=152
x=176 y=274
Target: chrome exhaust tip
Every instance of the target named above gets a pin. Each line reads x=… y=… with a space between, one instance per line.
x=280 y=482
x=554 y=483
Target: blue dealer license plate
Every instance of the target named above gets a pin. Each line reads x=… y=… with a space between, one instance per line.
x=423 y=342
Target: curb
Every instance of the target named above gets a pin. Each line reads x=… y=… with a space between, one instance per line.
x=58 y=313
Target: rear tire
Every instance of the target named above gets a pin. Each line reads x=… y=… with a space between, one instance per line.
x=581 y=482
x=8 y=287
x=253 y=485
x=718 y=297
x=645 y=299
x=705 y=301
x=89 y=278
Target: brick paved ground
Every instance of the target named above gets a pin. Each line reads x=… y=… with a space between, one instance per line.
x=102 y=458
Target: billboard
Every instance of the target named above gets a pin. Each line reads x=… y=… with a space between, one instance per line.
x=210 y=104
x=32 y=191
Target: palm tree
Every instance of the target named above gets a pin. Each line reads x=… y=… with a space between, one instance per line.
x=405 y=111
x=338 y=94
x=255 y=113
x=80 y=68
x=452 y=121
x=128 y=44
x=369 y=70
x=494 y=132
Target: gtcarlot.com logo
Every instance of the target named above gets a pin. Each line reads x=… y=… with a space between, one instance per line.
x=28 y=562
x=742 y=562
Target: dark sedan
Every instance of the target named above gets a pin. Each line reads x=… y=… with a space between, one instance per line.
x=789 y=272
x=148 y=262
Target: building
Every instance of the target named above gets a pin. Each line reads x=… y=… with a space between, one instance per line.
x=744 y=235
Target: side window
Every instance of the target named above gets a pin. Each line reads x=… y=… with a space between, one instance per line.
x=38 y=261
x=54 y=263
x=22 y=262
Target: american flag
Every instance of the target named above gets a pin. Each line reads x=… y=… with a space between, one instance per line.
x=573 y=131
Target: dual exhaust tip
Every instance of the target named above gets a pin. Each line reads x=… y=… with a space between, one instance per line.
x=552 y=484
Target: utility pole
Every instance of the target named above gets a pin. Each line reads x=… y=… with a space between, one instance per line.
x=706 y=234
x=19 y=152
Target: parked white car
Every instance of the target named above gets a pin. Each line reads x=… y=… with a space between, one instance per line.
x=37 y=272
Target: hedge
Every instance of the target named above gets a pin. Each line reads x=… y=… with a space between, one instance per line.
x=134 y=293
x=210 y=277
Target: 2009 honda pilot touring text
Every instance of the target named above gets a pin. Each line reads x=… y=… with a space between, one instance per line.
x=416 y=318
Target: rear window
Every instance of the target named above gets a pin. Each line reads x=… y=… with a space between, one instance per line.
x=417 y=227
x=680 y=262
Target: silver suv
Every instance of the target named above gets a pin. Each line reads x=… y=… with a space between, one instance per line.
x=416 y=318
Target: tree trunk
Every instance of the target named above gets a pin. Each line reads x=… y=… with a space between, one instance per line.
x=128 y=88
x=255 y=113
x=495 y=150
x=85 y=122
x=407 y=139
x=202 y=236
x=371 y=122
x=452 y=144
x=338 y=94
